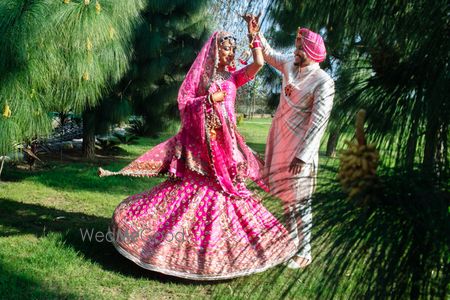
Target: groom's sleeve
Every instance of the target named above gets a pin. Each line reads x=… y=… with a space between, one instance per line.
x=323 y=103
x=271 y=56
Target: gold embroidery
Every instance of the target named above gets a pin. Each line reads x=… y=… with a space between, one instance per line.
x=144 y=168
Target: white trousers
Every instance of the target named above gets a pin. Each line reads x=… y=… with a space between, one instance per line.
x=296 y=192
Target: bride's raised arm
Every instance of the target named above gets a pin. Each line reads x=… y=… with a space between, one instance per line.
x=255 y=45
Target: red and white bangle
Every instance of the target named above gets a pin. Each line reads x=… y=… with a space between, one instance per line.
x=256 y=43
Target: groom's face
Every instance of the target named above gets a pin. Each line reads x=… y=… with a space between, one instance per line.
x=300 y=56
x=299 y=53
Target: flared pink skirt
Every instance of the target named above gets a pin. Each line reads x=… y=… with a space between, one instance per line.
x=189 y=228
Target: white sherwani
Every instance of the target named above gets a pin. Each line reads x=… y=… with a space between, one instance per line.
x=297 y=128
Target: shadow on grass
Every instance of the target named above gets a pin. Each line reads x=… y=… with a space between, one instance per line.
x=258 y=147
x=20 y=218
x=20 y=286
x=397 y=247
x=76 y=177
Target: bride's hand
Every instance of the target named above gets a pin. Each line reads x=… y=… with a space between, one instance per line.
x=218 y=96
x=252 y=22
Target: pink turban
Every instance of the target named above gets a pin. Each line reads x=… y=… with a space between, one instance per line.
x=313 y=44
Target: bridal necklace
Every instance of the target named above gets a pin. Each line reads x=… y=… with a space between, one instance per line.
x=221 y=75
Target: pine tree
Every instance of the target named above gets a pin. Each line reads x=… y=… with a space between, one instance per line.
x=395 y=54
x=59 y=55
x=166 y=44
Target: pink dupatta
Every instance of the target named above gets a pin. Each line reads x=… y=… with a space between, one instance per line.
x=193 y=148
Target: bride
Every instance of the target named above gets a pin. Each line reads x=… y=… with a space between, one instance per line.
x=202 y=223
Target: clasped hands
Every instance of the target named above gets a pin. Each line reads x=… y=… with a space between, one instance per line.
x=252 y=23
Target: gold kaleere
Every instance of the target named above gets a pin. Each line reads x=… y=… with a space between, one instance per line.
x=358 y=165
x=98 y=7
x=6 y=111
x=213 y=134
x=86 y=76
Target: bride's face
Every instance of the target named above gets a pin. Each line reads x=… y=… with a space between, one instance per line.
x=226 y=53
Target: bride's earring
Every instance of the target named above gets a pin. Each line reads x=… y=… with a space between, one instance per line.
x=244 y=57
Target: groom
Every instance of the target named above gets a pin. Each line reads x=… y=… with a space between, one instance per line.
x=292 y=150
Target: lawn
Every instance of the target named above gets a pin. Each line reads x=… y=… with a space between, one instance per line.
x=42 y=254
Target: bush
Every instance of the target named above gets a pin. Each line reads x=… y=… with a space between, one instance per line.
x=139 y=127
x=127 y=139
x=107 y=145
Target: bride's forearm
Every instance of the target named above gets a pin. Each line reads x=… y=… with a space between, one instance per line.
x=258 y=62
x=258 y=57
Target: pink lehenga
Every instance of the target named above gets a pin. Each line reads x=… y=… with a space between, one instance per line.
x=202 y=223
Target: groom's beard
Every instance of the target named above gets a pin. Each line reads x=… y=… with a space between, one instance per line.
x=298 y=62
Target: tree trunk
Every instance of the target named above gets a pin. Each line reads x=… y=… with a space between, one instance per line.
x=332 y=143
x=88 y=134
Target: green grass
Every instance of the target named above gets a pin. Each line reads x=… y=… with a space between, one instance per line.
x=43 y=256
x=255 y=131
